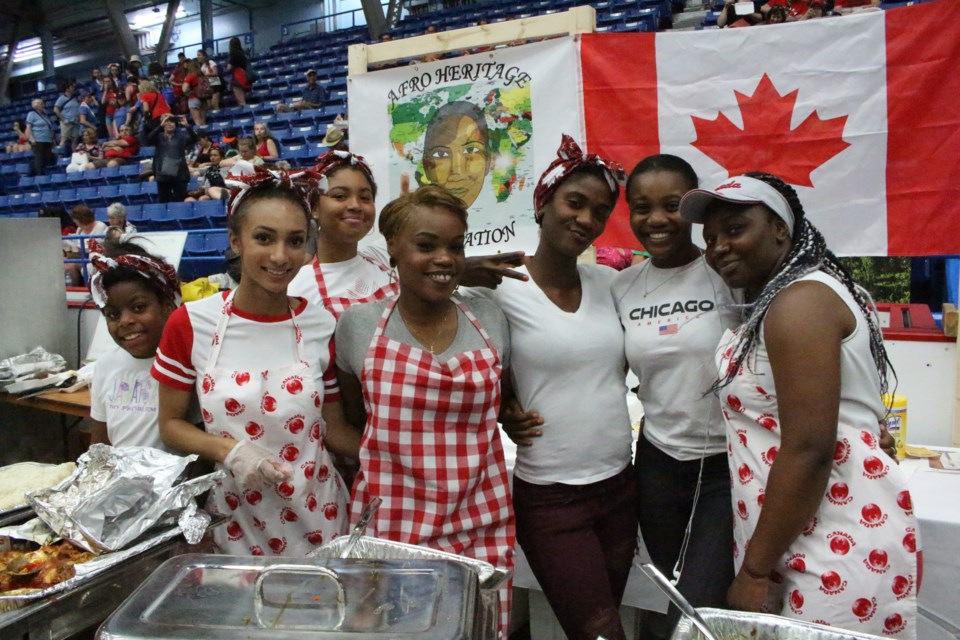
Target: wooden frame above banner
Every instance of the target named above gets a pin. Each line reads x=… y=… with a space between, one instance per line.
x=573 y=21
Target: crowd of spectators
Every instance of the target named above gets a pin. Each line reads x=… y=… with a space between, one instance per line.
x=740 y=13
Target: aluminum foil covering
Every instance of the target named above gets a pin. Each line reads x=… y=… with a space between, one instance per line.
x=118 y=493
x=84 y=571
x=739 y=625
x=368 y=548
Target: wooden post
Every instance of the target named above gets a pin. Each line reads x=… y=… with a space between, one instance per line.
x=570 y=22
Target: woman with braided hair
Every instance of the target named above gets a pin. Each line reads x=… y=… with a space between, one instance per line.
x=823 y=524
x=261 y=365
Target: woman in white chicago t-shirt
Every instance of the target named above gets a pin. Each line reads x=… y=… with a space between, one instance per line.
x=260 y=364
x=673 y=309
x=573 y=487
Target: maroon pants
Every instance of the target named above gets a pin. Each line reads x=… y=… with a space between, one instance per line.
x=580 y=542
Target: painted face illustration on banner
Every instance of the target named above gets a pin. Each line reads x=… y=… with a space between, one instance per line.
x=456 y=153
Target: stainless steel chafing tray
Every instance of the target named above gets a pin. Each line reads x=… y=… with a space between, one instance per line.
x=739 y=625
x=249 y=598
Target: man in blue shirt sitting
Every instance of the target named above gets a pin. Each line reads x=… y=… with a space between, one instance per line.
x=313 y=96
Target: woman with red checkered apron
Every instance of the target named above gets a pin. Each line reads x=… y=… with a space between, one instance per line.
x=426 y=368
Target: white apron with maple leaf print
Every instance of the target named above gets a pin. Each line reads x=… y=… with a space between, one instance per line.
x=855 y=564
x=279 y=410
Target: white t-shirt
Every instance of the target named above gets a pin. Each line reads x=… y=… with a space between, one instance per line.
x=73 y=246
x=124 y=395
x=250 y=341
x=673 y=320
x=356 y=278
x=569 y=367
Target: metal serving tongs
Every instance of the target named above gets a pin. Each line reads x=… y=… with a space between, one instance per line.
x=362 y=523
x=677 y=598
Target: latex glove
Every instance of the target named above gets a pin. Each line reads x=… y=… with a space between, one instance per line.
x=253 y=465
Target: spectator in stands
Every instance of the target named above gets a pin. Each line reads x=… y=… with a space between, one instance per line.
x=237 y=66
x=22 y=143
x=134 y=66
x=795 y=8
x=267 y=147
x=814 y=10
x=199 y=156
x=208 y=67
x=87 y=115
x=776 y=15
x=456 y=153
x=66 y=109
x=190 y=85
x=247 y=152
x=121 y=115
x=151 y=106
x=313 y=96
x=212 y=185
x=86 y=152
x=40 y=134
x=335 y=140
x=170 y=159
x=228 y=142
x=116 y=152
x=109 y=101
x=113 y=72
x=87 y=225
x=117 y=217
x=95 y=86
x=729 y=18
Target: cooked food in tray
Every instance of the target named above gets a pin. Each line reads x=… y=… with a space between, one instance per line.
x=40 y=568
x=17 y=479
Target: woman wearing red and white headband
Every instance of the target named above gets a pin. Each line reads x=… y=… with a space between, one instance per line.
x=269 y=397
x=823 y=523
x=573 y=487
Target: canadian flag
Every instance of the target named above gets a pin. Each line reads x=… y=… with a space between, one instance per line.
x=861 y=114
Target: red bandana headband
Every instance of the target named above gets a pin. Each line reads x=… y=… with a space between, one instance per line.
x=158 y=271
x=334 y=159
x=570 y=158
x=303 y=182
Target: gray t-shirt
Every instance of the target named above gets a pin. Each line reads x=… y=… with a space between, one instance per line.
x=358 y=324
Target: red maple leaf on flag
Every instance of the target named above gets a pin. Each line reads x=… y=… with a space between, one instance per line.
x=766 y=142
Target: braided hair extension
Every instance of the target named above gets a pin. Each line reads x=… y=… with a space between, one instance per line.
x=808 y=253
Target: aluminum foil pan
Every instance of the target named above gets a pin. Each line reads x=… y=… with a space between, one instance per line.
x=85 y=571
x=368 y=548
x=117 y=494
x=740 y=625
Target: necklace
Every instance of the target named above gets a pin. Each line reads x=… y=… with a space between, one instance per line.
x=434 y=338
x=646 y=277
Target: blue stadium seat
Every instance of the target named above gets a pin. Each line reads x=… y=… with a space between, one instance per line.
x=194 y=245
x=109 y=193
x=90 y=196
x=32 y=200
x=188 y=217
x=27 y=184
x=148 y=191
x=58 y=180
x=42 y=182
x=134 y=214
x=77 y=179
x=213 y=210
x=68 y=197
x=217 y=243
x=129 y=171
x=130 y=193
x=157 y=217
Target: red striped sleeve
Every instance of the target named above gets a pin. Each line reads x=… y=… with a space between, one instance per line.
x=173 y=365
x=331 y=388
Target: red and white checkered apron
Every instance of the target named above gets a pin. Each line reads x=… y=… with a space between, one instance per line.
x=338 y=304
x=431 y=450
x=278 y=409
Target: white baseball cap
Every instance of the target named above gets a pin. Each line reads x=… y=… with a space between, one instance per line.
x=739 y=190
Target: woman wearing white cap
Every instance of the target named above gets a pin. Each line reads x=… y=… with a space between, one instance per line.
x=823 y=524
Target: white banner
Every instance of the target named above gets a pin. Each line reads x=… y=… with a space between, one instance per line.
x=485 y=126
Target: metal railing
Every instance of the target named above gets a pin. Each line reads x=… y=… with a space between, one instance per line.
x=220 y=45
x=324 y=24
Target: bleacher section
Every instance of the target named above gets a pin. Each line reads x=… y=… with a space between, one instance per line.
x=281 y=79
